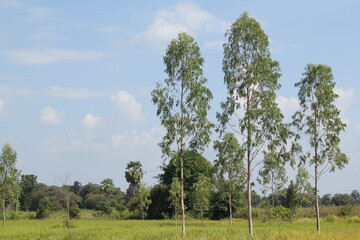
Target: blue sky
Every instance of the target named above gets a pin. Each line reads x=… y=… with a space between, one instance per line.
x=76 y=76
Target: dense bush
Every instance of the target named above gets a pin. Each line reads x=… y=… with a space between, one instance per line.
x=45 y=208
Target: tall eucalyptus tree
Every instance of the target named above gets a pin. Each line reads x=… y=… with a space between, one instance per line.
x=250 y=110
x=182 y=104
x=320 y=119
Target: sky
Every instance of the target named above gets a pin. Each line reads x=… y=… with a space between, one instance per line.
x=76 y=77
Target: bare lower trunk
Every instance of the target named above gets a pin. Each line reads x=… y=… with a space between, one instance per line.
x=142 y=217
x=68 y=215
x=4 y=208
x=17 y=205
x=182 y=196
x=202 y=216
x=250 y=225
x=316 y=197
x=230 y=210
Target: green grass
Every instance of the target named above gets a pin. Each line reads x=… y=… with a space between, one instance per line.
x=105 y=229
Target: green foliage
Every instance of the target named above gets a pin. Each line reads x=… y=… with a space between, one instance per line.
x=292 y=199
x=107 y=187
x=273 y=175
x=251 y=79
x=356 y=196
x=342 y=199
x=159 y=206
x=280 y=215
x=319 y=118
x=46 y=207
x=201 y=196
x=175 y=195
x=28 y=188
x=331 y=218
x=74 y=212
x=182 y=104
x=182 y=99
x=9 y=178
x=346 y=210
x=303 y=187
x=141 y=201
x=195 y=166
x=229 y=169
x=103 y=207
x=133 y=175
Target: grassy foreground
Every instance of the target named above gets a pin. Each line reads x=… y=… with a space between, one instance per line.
x=104 y=229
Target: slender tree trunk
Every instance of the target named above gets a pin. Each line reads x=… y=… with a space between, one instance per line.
x=4 y=209
x=272 y=193
x=68 y=215
x=316 y=162
x=182 y=195
x=230 y=209
x=316 y=196
x=250 y=224
x=202 y=216
x=17 y=204
x=142 y=216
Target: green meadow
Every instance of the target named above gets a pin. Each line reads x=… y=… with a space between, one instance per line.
x=106 y=229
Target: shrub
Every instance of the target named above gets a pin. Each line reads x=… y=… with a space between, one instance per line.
x=74 y=212
x=346 y=210
x=45 y=208
x=354 y=219
x=330 y=218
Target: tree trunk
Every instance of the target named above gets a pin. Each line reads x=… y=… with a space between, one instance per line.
x=4 y=208
x=182 y=195
x=142 y=216
x=17 y=204
x=202 y=216
x=68 y=215
x=230 y=209
x=250 y=224
x=272 y=194
x=316 y=196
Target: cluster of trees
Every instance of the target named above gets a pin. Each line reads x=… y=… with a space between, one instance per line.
x=250 y=113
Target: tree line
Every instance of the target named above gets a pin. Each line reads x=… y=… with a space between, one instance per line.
x=252 y=137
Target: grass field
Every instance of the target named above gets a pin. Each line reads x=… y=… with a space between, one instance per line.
x=104 y=229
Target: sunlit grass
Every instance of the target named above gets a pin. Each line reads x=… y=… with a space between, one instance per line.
x=105 y=229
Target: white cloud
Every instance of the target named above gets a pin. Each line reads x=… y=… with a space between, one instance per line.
x=11 y=3
x=13 y=91
x=346 y=96
x=91 y=121
x=135 y=140
x=75 y=93
x=343 y=102
x=2 y=106
x=51 y=116
x=46 y=34
x=288 y=106
x=128 y=105
x=11 y=77
x=61 y=144
x=43 y=56
x=185 y=16
x=40 y=13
